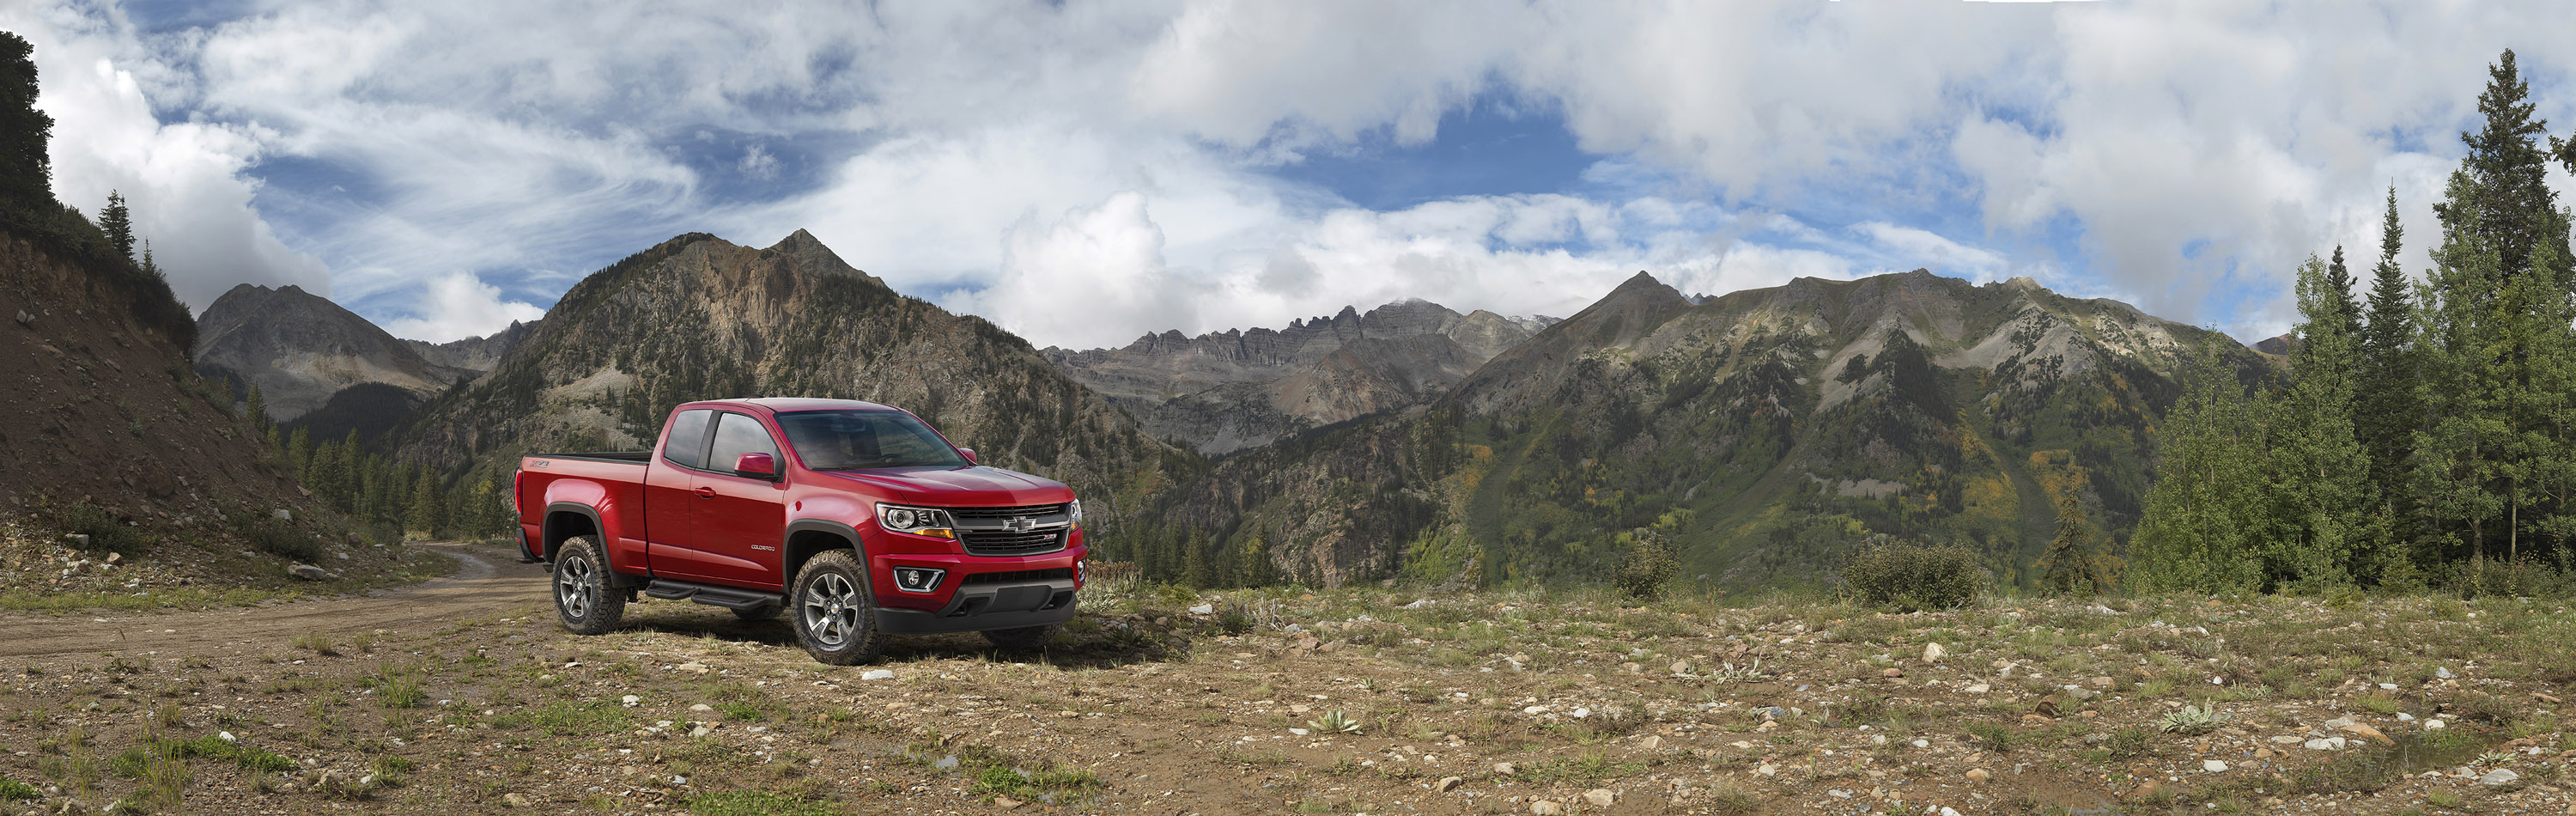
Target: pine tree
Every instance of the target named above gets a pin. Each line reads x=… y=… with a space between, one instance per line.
x=2456 y=459
x=299 y=454
x=119 y=226
x=426 y=515
x=257 y=410
x=2072 y=564
x=2511 y=172
x=1197 y=570
x=26 y=170
x=150 y=268
x=2323 y=501
x=2387 y=412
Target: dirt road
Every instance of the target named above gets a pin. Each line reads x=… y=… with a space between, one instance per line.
x=486 y=580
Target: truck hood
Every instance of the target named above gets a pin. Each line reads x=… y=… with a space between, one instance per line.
x=959 y=486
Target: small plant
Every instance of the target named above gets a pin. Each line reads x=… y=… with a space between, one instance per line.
x=2191 y=720
x=12 y=790
x=315 y=642
x=2444 y=799
x=1912 y=577
x=1728 y=796
x=1994 y=737
x=401 y=688
x=1730 y=673
x=1334 y=722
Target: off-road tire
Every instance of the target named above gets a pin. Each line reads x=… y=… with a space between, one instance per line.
x=583 y=599
x=1020 y=639
x=834 y=611
x=759 y=613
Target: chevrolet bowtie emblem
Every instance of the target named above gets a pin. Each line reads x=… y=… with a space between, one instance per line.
x=1020 y=525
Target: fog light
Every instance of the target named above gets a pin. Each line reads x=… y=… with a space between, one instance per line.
x=918 y=579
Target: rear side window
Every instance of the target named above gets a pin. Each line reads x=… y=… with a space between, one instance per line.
x=688 y=438
x=736 y=435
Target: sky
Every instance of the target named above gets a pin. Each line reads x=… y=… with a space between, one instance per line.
x=1083 y=173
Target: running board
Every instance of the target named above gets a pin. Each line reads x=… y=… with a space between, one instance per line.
x=727 y=597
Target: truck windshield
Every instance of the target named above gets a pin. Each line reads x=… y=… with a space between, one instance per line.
x=853 y=440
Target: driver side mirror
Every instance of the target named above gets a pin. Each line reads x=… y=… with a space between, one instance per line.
x=969 y=453
x=756 y=465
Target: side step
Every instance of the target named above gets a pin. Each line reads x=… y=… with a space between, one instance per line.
x=727 y=597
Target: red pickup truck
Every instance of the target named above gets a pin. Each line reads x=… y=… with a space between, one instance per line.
x=857 y=519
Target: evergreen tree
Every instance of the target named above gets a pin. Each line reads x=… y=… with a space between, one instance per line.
x=257 y=410
x=299 y=453
x=118 y=225
x=2069 y=565
x=426 y=515
x=2324 y=503
x=2386 y=410
x=2456 y=459
x=150 y=268
x=26 y=171
x=2507 y=166
x=1197 y=569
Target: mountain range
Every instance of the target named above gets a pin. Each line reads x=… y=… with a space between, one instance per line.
x=1758 y=434
x=322 y=364
x=1226 y=391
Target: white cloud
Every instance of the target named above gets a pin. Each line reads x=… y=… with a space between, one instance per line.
x=458 y=305
x=183 y=182
x=2190 y=153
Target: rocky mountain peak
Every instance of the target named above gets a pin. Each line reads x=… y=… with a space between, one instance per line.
x=301 y=348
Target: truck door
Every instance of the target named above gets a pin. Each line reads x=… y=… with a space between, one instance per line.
x=740 y=519
x=668 y=504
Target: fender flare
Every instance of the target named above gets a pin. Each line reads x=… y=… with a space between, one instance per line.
x=790 y=556
x=547 y=531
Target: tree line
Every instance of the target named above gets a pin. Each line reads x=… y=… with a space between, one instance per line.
x=410 y=499
x=2426 y=434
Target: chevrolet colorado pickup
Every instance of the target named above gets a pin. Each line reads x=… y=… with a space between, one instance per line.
x=857 y=520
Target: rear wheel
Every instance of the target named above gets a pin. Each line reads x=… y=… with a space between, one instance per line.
x=836 y=617
x=1020 y=639
x=583 y=598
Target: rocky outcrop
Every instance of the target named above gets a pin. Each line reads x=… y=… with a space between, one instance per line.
x=301 y=348
x=1227 y=391
x=474 y=353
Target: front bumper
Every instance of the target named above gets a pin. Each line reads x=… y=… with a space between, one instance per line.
x=987 y=606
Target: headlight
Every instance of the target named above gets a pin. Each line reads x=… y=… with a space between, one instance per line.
x=1074 y=509
x=928 y=521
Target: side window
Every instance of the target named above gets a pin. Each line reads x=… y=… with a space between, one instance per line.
x=737 y=434
x=688 y=438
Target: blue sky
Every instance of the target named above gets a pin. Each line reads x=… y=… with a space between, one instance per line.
x=1085 y=172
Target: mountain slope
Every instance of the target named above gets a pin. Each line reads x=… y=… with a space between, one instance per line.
x=1760 y=433
x=698 y=318
x=107 y=413
x=301 y=349
x=1227 y=391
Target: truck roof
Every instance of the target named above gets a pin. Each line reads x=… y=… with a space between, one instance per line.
x=785 y=404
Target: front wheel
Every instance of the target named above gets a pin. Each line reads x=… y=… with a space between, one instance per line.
x=836 y=617
x=583 y=598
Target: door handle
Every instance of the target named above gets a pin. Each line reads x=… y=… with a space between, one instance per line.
x=706 y=492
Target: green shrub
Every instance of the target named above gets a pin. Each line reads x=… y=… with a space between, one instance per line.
x=1649 y=568
x=277 y=537
x=1908 y=577
x=106 y=532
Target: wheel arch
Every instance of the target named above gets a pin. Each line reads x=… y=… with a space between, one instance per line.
x=567 y=520
x=806 y=537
